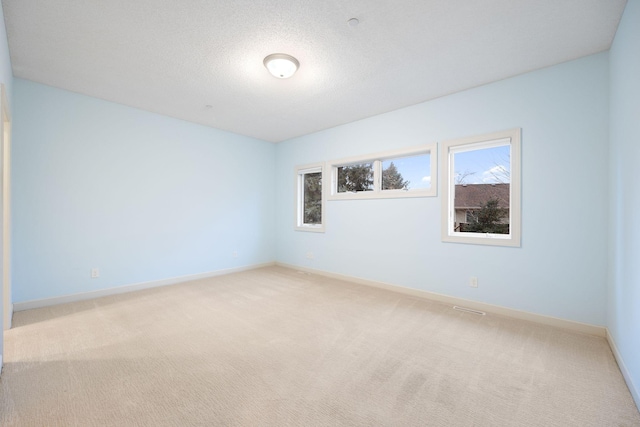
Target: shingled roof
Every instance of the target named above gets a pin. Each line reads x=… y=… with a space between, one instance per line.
x=474 y=196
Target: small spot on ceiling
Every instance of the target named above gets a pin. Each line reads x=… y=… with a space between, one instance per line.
x=353 y=22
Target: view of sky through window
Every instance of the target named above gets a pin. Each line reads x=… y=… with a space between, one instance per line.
x=483 y=166
x=415 y=169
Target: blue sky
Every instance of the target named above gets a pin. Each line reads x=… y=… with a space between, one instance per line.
x=484 y=166
x=415 y=169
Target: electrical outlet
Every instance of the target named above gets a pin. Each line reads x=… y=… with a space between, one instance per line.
x=473 y=282
x=95 y=273
x=310 y=255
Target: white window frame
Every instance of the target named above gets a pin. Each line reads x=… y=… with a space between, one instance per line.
x=300 y=172
x=447 y=150
x=377 y=159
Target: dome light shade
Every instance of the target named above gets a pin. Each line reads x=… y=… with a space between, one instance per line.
x=281 y=65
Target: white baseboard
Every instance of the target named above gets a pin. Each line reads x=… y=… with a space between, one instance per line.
x=46 y=302
x=489 y=308
x=635 y=391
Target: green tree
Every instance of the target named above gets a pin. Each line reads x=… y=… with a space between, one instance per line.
x=392 y=179
x=312 y=198
x=354 y=178
x=488 y=219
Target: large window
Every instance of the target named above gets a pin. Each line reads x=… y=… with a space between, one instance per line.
x=481 y=189
x=402 y=173
x=309 y=199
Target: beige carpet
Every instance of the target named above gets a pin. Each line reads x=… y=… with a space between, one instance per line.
x=274 y=347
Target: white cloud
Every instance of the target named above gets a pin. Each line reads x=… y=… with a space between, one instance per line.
x=426 y=179
x=496 y=174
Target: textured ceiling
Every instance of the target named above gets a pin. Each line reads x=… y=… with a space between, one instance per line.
x=201 y=60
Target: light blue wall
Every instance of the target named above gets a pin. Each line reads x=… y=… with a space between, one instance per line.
x=6 y=74
x=141 y=196
x=6 y=78
x=561 y=268
x=624 y=285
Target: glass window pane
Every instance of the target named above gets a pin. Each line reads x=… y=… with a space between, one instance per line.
x=482 y=190
x=407 y=173
x=312 y=209
x=354 y=178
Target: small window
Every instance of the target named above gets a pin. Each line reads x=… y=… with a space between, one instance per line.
x=481 y=202
x=403 y=173
x=309 y=199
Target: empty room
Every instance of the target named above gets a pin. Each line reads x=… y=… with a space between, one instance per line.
x=320 y=213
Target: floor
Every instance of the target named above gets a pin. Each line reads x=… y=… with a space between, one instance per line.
x=277 y=347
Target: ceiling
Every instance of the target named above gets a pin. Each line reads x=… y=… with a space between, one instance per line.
x=201 y=60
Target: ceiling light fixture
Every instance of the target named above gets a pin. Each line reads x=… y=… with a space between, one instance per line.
x=281 y=65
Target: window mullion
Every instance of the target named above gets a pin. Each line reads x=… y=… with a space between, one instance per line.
x=377 y=176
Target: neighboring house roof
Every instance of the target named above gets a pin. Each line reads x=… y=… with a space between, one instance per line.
x=474 y=196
